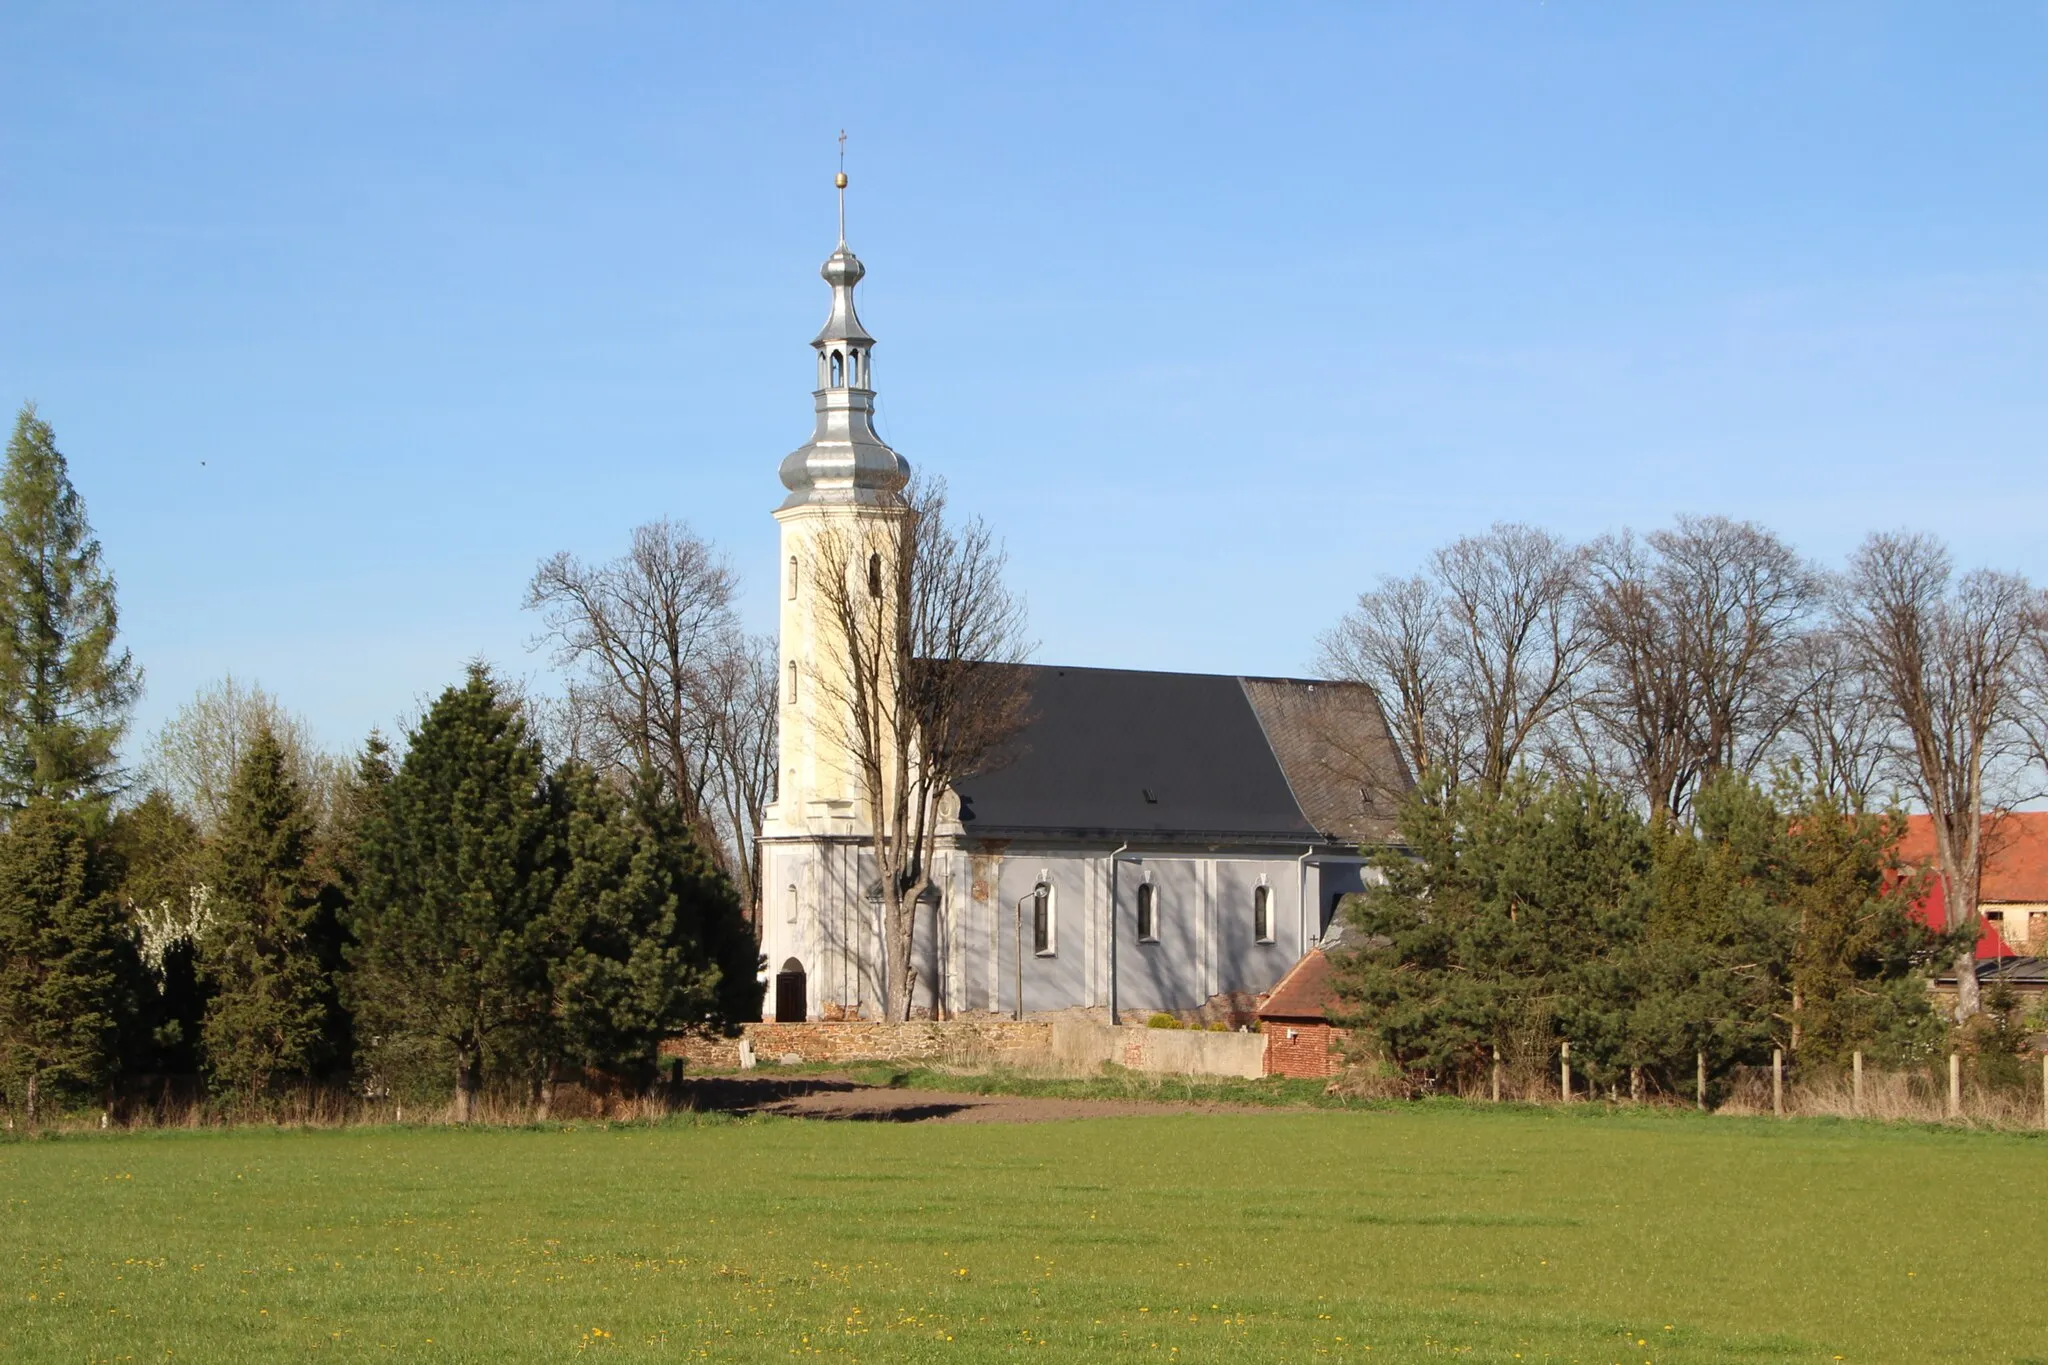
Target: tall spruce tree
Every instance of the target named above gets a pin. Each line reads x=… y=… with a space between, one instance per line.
x=63 y=978
x=709 y=910
x=267 y=961
x=459 y=862
x=65 y=688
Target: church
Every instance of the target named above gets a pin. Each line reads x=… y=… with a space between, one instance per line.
x=1157 y=842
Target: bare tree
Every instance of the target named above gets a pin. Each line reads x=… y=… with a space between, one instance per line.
x=1644 y=699
x=1834 y=729
x=194 y=755
x=737 y=693
x=648 y=630
x=1515 y=636
x=1946 y=660
x=922 y=688
x=1695 y=630
x=1393 y=641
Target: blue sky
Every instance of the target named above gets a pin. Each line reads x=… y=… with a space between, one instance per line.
x=347 y=314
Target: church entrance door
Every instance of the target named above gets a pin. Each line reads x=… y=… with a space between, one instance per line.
x=792 y=1001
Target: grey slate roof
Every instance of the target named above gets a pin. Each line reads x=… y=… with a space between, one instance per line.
x=1116 y=752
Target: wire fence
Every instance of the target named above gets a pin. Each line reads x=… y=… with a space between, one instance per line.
x=1960 y=1088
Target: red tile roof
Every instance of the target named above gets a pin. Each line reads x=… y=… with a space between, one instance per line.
x=2015 y=868
x=1306 y=992
x=2015 y=854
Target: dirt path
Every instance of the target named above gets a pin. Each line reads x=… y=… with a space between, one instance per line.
x=839 y=1097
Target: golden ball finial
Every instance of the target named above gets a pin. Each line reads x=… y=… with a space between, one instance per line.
x=840 y=180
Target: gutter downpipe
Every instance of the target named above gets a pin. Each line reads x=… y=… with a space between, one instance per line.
x=1114 y=1017
x=1301 y=895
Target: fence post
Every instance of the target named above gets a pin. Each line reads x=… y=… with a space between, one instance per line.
x=1778 y=1081
x=1703 y=1082
x=1496 y=1075
x=1856 y=1087
x=1564 y=1071
x=1955 y=1084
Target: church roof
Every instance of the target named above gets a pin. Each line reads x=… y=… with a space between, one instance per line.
x=1112 y=752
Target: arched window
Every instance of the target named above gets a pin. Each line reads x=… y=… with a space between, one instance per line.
x=1262 y=914
x=838 y=370
x=1148 y=913
x=789 y=693
x=792 y=578
x=1044 y=921
x=874 y=575
x=789 y=905
x=853 y=368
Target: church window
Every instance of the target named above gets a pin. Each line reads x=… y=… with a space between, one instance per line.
x=789 y=692
x=874 y=575
x=789 y=904
x=1148 y=913
x=1044 y=921
x=1262 y=914
x=792 y=578
x=853 y=368
x=838 y=370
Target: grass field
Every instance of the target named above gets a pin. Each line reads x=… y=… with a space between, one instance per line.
x=1406 y=1233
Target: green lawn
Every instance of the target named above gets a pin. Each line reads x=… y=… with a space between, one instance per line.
x=1400 y=1234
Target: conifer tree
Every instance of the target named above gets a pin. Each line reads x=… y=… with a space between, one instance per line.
x=709 y=909
x=63 y=981
x=65 y=688
x=638 y=939
x=458 y=863
x=267 y=959
x=358 y=805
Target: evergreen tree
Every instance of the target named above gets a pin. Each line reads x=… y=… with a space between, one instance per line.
x=1715 y=961
x=1501 y=928
x=63 y=951
x=459 y=861
x=639 y=939
x=1861 y=959
x=1552 y=913
x=65 y=690
x=267 y=959
x=709 y=910
x=358 y=803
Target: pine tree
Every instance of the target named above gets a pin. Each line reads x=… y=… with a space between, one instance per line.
x=638 y=940
x=1861 y=959
x=458 y=863
x=267 y=959
x=63 y=979
x=65 y=690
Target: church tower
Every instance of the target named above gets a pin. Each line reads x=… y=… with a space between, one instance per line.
x=845 y=488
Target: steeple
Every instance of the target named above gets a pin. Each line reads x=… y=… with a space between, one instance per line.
x=844 y=461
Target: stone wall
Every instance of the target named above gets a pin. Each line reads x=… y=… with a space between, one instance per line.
x=1068 y=1044
x=959 y=1042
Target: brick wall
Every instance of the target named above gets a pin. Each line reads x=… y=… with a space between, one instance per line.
x=1311 y=1053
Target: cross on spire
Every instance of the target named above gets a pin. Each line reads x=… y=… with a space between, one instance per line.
x=840 y=181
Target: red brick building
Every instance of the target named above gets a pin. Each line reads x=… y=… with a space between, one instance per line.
x=1295 y=1017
